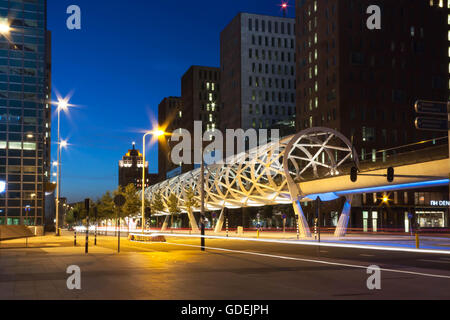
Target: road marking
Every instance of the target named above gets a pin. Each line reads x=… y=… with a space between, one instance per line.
x=435 y=261
x=303 y=242
x=311 y=261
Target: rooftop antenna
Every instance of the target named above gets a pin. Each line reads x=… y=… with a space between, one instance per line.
x=284 y=7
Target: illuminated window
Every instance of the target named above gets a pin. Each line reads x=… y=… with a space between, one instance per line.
x=2 y=144
x=15 y=145
x=29 y=146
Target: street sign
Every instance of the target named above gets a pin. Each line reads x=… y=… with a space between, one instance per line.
x=431 y=124
x=410 y=216
x=284 y=216
x=119 y=200
x=432 y=107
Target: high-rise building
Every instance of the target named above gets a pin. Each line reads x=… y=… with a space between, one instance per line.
x=364 y=83
x=257 y=60
x=200 y=93
x=25 y=120
x=170 y=116
x=130 y=169
x=199 y=101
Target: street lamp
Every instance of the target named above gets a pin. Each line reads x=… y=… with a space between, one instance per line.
x=157 y=134
x=4 y=27
x=62 y=104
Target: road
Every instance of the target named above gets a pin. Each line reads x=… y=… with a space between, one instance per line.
x=229 y=269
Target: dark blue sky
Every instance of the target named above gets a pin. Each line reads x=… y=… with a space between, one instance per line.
x=127 y=57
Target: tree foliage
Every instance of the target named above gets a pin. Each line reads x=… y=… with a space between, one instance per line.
x=157 y=204
x=105 y=207
x=172 y=204
x=190 y=202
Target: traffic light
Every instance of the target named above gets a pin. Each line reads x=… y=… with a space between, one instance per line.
x=354 y=174
x=390 y=174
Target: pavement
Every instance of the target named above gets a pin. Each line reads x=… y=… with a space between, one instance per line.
x=228 y=270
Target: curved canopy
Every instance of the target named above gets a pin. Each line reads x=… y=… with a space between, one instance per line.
x=264 y=175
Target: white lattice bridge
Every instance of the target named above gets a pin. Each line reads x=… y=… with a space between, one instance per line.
x=268 y=175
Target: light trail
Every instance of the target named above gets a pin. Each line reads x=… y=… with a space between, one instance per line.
x=304 y=243
x=313 y=261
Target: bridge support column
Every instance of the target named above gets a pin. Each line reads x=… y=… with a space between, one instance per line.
x=192 y=221
x=301 y=220
x=219 y=224
x=165 y=224
x=341 y=229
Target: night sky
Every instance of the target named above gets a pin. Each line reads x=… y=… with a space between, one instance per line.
x=127 y=57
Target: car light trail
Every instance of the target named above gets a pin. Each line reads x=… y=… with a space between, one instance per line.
x=311 y=260
x=306 y=243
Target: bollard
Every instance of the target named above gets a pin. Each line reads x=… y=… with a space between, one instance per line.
x=417 y=241
x=75 y=238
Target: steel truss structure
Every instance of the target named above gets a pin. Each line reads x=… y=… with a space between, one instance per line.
x=267 y=175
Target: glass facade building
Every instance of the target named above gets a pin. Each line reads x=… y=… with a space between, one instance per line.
x=25 y=113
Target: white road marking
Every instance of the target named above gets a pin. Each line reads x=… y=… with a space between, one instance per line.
x=435 y=261
x=304 y=243
x=310 y=260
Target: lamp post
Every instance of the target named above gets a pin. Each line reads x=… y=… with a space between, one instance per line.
x=156 y=133
x=202 y=199
x=62 y=105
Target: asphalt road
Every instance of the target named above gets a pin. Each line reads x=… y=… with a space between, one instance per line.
x=228 y=269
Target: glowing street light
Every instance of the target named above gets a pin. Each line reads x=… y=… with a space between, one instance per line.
x=157 y=133
x=64 y=144
x=62 y=104
x=4 y=27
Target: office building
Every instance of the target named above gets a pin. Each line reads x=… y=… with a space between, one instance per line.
x=130 y=169
x=257 y=61
x=25 y=114
x=364 y=83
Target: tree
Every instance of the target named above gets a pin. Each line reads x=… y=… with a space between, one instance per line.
x=69 y=218
x=190 y=203
x=105 y=207
x=132 y=205
x=157 y=205
x=172 y=205
x=77 y=213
